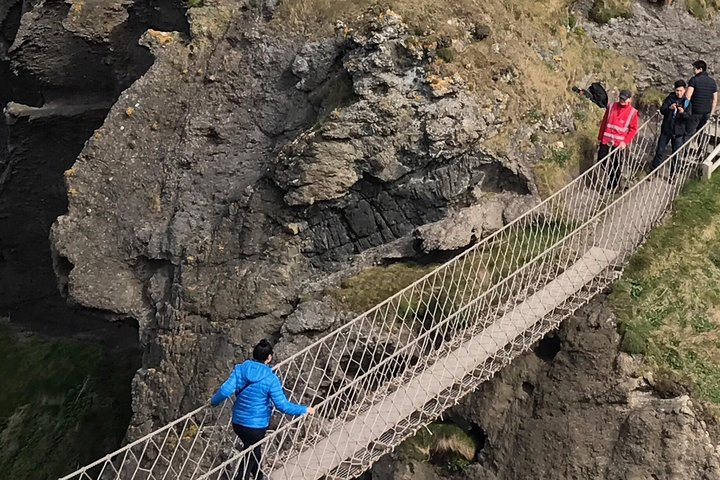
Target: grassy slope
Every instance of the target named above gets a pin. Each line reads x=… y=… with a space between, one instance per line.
x=375 y=284
x=668 y=300
x=703 y=9
x=443 y=444
x=62 y=403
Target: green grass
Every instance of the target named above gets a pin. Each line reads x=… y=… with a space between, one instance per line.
x=559 y=156
x=63 y=403
x=603 y=11
x=375 y=284
x=451 y=288
x=668 y=301
x=651 y=98
x=443 y=444
x=446 y=54
x=534 y=114
x=702 y=9
x=562 y=163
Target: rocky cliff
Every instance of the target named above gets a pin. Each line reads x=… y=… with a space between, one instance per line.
x=244 y=165
x=224 y=168
x=62 y=65
x=665 y=39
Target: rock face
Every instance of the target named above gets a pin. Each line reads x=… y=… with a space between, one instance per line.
x=664 y=39
x=246 y=165
x=401 y=119
x=62 y=65
x=576 y=408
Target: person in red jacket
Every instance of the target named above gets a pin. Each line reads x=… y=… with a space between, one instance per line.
x=617 y=130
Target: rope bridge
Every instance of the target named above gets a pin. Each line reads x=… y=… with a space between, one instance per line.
x=379 y=378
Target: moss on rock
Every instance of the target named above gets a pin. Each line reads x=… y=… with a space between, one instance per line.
x=603 y=11
x=702 y=9
x=443 y=444
x=651 y=98
x=63 y=403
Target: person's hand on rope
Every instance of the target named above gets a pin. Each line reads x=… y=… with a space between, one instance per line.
x=622 y=146
x=311 y=410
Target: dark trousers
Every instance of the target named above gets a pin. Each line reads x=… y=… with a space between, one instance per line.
x=612 y=165
x=695 y=122
x=250 y=466
x=676 y=142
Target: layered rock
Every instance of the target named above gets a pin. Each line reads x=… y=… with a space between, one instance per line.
x=247 y=164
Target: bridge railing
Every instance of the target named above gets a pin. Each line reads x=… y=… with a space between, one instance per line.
x=381 y=350
x=345 y=372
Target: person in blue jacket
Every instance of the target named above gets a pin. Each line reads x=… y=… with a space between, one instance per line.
x=256 y=388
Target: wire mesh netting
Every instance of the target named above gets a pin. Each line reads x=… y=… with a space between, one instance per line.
x=380 y=377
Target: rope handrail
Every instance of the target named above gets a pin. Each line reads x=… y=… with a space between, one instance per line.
x=390 y=359
x=621 y=201
x=459 y=298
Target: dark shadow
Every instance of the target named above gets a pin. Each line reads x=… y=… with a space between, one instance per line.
x=548 y=348
x=588 y=154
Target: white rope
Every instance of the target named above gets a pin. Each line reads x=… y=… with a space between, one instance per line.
x=537 y=269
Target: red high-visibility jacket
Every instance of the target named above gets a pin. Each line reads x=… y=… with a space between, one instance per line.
x=620 y=124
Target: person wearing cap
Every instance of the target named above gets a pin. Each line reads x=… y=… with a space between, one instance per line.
x=702 y=93
x=257 y=389
x=617 y=130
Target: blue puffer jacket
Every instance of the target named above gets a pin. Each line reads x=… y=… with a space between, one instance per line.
x=261 y=389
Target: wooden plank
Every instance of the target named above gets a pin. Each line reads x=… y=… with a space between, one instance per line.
x=354 y=435
x=710 y=164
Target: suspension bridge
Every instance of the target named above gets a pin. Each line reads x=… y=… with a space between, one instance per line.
x=397 y=367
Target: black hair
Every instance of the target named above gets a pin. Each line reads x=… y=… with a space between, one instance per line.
x=700 y=65
x=262 y=350
x=680 y=83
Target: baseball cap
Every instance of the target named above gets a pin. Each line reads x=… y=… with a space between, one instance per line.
x=625 y=94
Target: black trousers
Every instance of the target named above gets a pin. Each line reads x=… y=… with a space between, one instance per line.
x=695 y=123
x=250 y=466
x=612 y=165
x=676 y=142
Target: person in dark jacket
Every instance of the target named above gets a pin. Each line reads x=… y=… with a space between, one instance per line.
x=256 y=388
x=702 y=93
x=674 y=125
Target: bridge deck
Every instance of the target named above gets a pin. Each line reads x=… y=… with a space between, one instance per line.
x=368 y=426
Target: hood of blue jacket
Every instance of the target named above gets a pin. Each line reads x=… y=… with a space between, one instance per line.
x=254 y=371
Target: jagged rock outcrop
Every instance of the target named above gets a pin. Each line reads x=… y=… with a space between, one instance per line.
x=463 y=226
x=402 y=119
x=215 y=192
x=578 y=408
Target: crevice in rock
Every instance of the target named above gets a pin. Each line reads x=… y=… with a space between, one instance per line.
x=10 y=24
x=528 y=388
x=479 y=435
x=335 y=92
x=62 y=267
